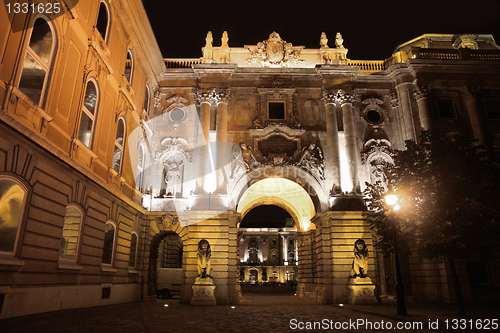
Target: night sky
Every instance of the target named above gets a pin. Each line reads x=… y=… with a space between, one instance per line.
x=371 y=29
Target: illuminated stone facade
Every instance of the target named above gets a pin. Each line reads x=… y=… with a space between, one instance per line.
x=107 y=148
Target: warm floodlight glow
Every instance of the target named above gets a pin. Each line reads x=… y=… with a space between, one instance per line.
x=210 y=183
x=233 y=307
x=166 y=305
x=391 y=199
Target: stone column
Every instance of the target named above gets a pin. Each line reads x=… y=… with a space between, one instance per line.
x=285 y=247
x=406 y=111
x=421 y=92
x=332 y=153
x=346 y=100
x=204 y=98
x=221 y=97
x=470 y=93
x=306 y=263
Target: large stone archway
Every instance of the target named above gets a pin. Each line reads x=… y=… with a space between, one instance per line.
x=283 y=193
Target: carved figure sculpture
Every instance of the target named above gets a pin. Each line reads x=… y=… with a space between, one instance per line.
x=204 y=254
x=360 y=262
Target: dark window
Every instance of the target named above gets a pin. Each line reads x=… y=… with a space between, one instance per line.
x=109 y=237
x=373 y=116
x=102 y=21
x=446 y=108
x=129 y=63
x=133 y=247
x=277 y=110
x=493 y=108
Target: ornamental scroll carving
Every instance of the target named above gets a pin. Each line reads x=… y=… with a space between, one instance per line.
x=378 y=157
x=275 y=52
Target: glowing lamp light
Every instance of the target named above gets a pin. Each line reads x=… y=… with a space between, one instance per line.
x=233 y=307
x=166 y=305
x=391 y=200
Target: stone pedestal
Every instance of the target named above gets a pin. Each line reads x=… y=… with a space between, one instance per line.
x=204 y=292
x=361 y=291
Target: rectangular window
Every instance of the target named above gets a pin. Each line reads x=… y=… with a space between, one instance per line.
x=276 y=110
x=492 y=108
x=446 y=108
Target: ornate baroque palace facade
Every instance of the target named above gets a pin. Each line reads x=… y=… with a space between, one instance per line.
x=116 y=162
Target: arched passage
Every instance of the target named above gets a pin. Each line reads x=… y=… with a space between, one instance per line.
x=165 y=265
x=283 y=193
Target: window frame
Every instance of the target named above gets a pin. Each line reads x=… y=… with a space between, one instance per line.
x=276 y=102
x=80 y=233
x=140 y=166
x=120 y=146
x=136 y=249
x=47 y=67
x=93 y=117
x=453 y=105
x=147 y=99
x=132 y=63
x=113 y=245
x=108 y=23
x=22 y=216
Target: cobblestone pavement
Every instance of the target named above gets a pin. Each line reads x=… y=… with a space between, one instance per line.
x=257 y=313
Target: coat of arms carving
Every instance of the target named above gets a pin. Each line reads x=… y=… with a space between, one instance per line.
x=275 y=52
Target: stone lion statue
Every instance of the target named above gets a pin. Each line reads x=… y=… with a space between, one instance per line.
x=360 y=262
x=204 y=254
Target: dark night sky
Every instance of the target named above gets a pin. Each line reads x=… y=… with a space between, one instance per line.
x=371 y=29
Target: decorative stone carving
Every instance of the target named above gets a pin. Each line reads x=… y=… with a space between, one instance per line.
x=394 y=100
x=339 y=41
x=360 y=286
x=471 y=90
x=167 y=222
x=378 y=156
x=220 y=95
x=312 y=160
x=421 y=90
x=345 y=97
x=360 y=261
x=373 y=104
x=338 y=96
x=172 y=146
x=275 y=52
x=176 y=114
x=203 y=259
x=212 y=95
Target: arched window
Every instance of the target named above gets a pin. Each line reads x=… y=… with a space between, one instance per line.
x=147 y=99
x=38 y=61
x=109 y=240
x=12 y=204
x=140 y=167
x=102 y=24
x=133 y=250
x=71 y=233
x=89 y=113
x=119 y=146
x=129 y=66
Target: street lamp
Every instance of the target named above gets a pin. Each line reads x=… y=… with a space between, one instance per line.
x=391 y=199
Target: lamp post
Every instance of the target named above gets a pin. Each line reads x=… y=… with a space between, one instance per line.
x=391 y=199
